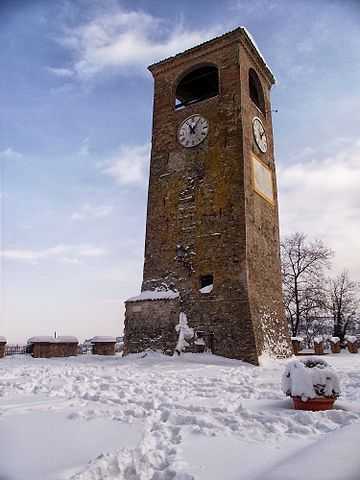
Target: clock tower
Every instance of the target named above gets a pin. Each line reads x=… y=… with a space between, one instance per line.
x=212 y=233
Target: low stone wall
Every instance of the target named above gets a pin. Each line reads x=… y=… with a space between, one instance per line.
x=150 y=324
x=56 y=349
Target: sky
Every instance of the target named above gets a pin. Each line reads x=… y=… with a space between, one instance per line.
x=75 y=127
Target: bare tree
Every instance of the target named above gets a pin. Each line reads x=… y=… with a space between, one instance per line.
x=303 y=266
x=344 y=304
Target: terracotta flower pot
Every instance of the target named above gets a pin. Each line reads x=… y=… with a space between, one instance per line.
x=319 y=348
x=352 y=347
x=335 y=347
x=313 y=404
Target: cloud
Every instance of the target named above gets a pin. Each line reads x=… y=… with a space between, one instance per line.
x=61 y=72
x=9 y=153
x=321 y=197
x=254 y=7
x=63 y=253
x=126 y=40
x=130 y=165
x=88 y=212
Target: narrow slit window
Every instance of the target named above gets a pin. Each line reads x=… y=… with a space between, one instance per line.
x=200 y=84
x=256 y=91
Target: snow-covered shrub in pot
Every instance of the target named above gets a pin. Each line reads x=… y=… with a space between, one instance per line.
x=312 y=383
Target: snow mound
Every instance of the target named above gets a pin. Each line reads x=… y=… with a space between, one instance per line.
x=185 y=333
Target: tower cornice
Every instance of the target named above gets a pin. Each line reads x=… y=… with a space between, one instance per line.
x=238 y=35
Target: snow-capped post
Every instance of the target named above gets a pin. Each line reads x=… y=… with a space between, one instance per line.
x=335 y=344
x=311 y=383
x=185 y=333
x=296 y=344
x=318 y=345
x=352 y=343
x=2 y=346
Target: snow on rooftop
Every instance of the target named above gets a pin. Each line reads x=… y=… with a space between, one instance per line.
x=48 y=339
x=67 y=339
x=42 y=339
x=154 y=295
x=3 y=340
x=103 y=340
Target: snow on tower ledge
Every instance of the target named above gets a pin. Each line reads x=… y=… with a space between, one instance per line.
x=154 y=295
x=248 y=39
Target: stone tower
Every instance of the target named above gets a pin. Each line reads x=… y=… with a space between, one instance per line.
x=212 y=235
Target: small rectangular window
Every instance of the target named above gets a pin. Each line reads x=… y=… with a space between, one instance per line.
x=206 y=280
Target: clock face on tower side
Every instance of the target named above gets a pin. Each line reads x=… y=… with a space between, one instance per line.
x=259 y=134
x=193 y=131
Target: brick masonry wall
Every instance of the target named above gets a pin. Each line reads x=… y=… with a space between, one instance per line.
x=262 y=227
x=106 y=348
x=48 y=350
x=202 y=200
x=2 y=349
x=151 y=325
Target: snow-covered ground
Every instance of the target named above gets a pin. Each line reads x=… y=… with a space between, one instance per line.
x=159 y=418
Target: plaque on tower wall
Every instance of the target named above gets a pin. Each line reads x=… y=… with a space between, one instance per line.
x=263 y=182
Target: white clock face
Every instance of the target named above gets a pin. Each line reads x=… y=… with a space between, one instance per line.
x=259 y=134
x=193 y=131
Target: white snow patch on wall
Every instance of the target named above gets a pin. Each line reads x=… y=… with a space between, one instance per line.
x=206 y=289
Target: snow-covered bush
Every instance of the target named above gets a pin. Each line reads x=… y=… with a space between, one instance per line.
x=310 y=378
x=185 y=333
x=334 y=340
x=350 y=339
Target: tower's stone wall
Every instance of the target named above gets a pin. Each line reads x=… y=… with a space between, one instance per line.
x=204 y=216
